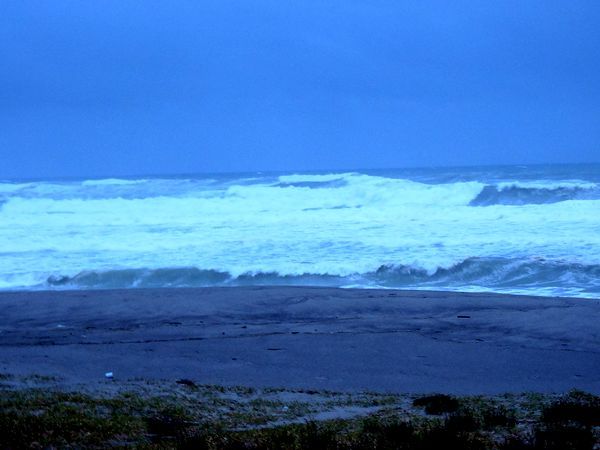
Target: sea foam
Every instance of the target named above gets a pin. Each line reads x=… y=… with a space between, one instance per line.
x=440 y=229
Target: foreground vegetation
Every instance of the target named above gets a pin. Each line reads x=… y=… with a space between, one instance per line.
x=212 y=417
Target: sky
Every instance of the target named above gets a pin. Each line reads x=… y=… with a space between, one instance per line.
x=115 y=88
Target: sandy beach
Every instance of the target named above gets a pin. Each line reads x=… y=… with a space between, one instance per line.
x=345 y=340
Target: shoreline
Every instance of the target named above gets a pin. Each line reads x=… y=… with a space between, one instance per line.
x=430 y=289
x=413 y=290
x=296 y=337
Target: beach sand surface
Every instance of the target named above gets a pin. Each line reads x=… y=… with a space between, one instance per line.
x=346 y=340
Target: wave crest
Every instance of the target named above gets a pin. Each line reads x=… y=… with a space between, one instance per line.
x=133 y=278
x=523 y=195
x=511 y=275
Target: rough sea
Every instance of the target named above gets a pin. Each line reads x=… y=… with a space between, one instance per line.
x=514 y=229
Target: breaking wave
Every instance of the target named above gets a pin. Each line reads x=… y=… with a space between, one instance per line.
x=515 y=194
x=381 y=190
x=514 y=229
x=498 y=274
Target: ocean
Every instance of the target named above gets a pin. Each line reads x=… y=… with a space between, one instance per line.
x=511 y=229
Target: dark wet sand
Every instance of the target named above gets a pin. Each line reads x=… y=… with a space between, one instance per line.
x=311 y=338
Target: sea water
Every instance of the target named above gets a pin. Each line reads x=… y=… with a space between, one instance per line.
x=520 y=229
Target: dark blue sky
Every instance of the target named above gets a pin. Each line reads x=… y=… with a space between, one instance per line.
x=136 y=87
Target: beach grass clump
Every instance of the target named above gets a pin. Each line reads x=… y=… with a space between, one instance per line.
x=42 y=421
x=484 y=416
x=576 y=407
x=385 y=433
x=437 y=404
x=326 y=436
x=374 y=433
x=564 y=437
x=572 y=422
x=310 y=435
x=169 y=422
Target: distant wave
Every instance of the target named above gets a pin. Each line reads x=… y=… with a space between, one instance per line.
x=315 y=178
x=339 y=189
x=340 y=182
x=516 y=194
x=112 y=182
x=472 y=273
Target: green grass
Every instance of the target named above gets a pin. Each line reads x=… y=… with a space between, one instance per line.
x=211 y=417
x=39 y=419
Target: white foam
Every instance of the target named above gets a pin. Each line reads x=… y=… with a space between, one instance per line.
x=548 y=184
x=6 y=188
x=299 y=178
x=112 y=182
x=345 y=229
